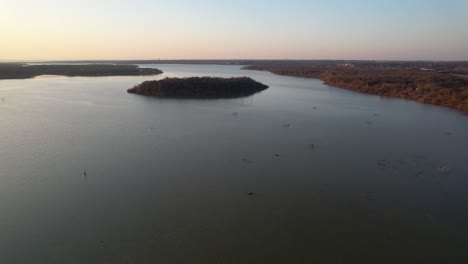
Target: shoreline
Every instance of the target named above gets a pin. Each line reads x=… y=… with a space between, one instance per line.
x=428 y=87
x=22 y=71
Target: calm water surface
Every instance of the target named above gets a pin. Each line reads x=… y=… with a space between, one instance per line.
x=352 y=179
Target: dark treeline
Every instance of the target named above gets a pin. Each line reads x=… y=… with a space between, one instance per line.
x=460 y=67
x=422 y=85
x=199 y=87
x=20 y=71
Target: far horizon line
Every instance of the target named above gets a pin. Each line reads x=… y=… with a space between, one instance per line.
x=227 y=60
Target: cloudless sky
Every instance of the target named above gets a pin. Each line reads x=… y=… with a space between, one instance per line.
x=241 y=29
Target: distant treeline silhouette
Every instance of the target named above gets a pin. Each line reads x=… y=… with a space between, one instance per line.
x=20 y=71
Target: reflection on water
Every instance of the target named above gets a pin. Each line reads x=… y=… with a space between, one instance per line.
x=91 y=174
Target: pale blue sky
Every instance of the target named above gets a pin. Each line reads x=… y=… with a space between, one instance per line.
x=208 y=29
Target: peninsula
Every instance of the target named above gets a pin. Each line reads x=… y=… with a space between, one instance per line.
x=437 y=84
x=199 y=87
x=24 y=71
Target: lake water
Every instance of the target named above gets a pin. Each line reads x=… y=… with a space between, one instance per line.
x=338 y=176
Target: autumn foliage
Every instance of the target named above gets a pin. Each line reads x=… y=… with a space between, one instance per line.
x=425 y=86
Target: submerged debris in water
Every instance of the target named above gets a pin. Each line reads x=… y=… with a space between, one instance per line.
x=443 y=170
x=247 y=160
x=369 y=123
x=235 y=114
x=286 y=125
x=277 y=155
x=419 y=173
x=448 y=133
x=420 y=157
x=430 y=217
x=382 y=163
x=367 y=196
x=250 y=193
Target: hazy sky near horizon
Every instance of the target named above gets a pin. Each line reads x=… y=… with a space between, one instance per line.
x=242 y=29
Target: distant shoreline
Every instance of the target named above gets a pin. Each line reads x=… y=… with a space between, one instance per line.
x=22 y=71
x=436 y=86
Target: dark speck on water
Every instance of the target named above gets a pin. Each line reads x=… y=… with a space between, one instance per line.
x=247 y=160
x=382 y=163
x=367 y=196
x=85 y=176
x=419 y=173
